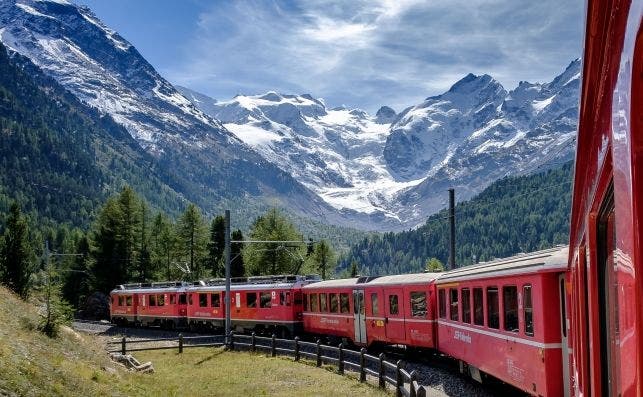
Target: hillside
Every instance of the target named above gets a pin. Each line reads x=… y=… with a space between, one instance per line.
x=31 y=364
x=514 y=214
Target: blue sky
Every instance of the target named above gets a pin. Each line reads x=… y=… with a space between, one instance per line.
x=358 y=53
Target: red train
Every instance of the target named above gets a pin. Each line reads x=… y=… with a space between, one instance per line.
x=552 y=323
x=606 y=250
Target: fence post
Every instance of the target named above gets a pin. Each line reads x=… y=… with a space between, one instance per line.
x=341 y=358
x=123 y=346
x=421 y=391
x=231 y=339
x=362 y=365
x=319 y=352
x=414 y=378
x=180 y=343
x=273 y=346
x=254 y=342
x=399 y=382
x=296 y=348
x=382 y=382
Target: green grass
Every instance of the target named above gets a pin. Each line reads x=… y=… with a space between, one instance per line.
x=31 y=364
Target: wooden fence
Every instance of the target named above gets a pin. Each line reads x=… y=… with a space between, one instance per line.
x=404 y=383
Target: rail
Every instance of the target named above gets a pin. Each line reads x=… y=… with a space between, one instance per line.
x=404 y=383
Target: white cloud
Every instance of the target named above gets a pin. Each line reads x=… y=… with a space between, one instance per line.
x=369 y=53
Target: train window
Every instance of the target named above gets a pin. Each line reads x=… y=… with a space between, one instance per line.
x=183 y=299
x=443 y=303
x=453 y=309
x=121 y=300
x=284 y=298
x=128 y=300
x=172 y=299
x=314 y=303
x=297 y=299
x=343 y=303
x=251 y=299
x=203 y=300
x=493 y=311
x=510 y=305
x=418 y=304
x=375 y=310
x=265 y=300
x=160 y=300
x=306 y=307
x=393 y=304
x=478 y=310
x=466 y=305
x=190 y=299
x=334 y=303
x=152 y=300
x=323 y=303
x=528 y=310
x=215 y=300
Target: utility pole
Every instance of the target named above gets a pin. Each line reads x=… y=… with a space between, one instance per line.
x=451 y=264
x=227 y=277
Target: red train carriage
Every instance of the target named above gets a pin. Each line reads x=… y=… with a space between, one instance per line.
x=367 y=310
x=270 y=304
x=606 y=255
x=163 y=304
x=504 y=318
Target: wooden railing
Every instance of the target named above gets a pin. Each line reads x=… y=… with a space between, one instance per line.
x=393 y=374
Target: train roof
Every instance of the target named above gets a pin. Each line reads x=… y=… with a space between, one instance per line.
x=413 y=278
x=163 y=286
x=356 y=282
x=553 y=259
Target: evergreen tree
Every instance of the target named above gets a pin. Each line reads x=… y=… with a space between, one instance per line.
x=273 y=258
x=324 y=258
x=130 y=227
x=109 y=267
x=354 y=268
x=77 y=282
x=216 y=246
x=16 y=261
x=237 y=267
x=165 y=246
x=434 y=265
x=192 y=233
x=144 y=256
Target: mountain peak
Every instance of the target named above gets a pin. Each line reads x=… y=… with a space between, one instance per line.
x=385 y=115
x=471 y=83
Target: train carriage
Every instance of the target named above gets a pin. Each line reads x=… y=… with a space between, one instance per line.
x=266 y=304
x=163 y=304
x=606 y=254
x=508 y=319
x=367 y=310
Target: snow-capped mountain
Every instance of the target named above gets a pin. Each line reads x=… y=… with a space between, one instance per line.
x=397 y=167
x=383 y=172
x=102 y=69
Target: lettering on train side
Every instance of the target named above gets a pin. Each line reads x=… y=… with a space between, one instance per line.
x=464 y=337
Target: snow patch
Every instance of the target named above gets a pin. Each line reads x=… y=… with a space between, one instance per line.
x=538 y=106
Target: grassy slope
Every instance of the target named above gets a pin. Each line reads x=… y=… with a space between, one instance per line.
x=31 y=364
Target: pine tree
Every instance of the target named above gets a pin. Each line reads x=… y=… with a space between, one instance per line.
x=237 y=267
x=76 y=285
x=193 y=235
x=354 y=268
x=324 y=258
x=165 y=244
x=109 y=267
x=434 y=265
x=16 y=261
x=273 y=258
x=130 y=226
x=144 y=256
x=216 y=246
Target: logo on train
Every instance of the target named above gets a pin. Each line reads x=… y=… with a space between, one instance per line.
x=459 y=335
x=325 y=320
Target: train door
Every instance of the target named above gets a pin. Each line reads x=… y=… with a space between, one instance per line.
x=608 y=299
x=359 y=316
x=394 y=319
x=564 y=334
